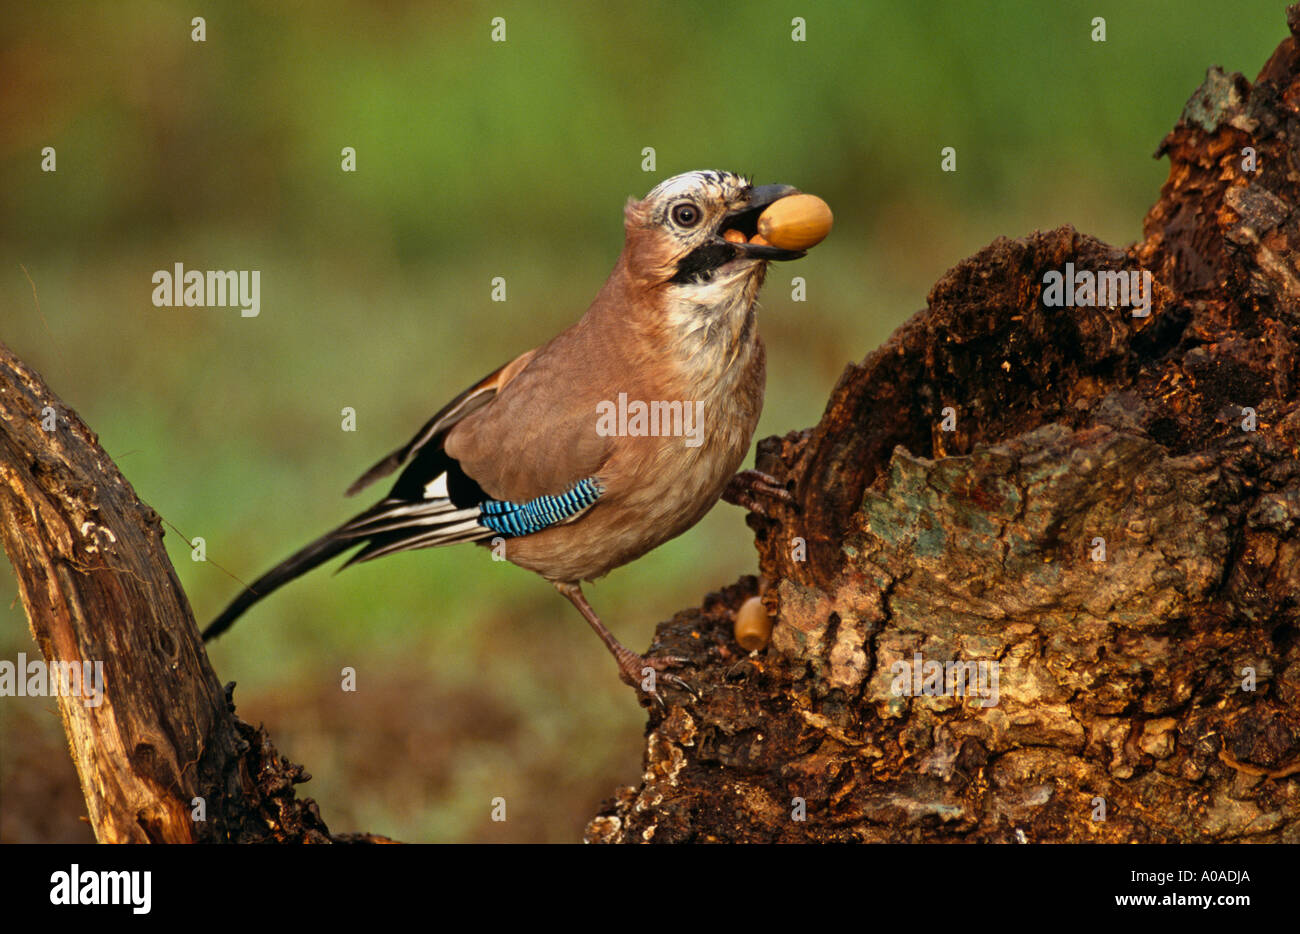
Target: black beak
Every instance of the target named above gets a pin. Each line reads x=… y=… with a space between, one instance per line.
x=745 y=219
x=763 y=195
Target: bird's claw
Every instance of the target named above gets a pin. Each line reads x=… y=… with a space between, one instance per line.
x=640 y=669
x=749 y=488
x=680 y=684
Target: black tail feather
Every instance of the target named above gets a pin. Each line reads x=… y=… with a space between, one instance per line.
x=317 y=553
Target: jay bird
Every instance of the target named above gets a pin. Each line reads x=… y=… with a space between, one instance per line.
x=521 y=454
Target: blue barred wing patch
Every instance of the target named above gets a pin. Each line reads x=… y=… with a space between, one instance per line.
x=515 y=519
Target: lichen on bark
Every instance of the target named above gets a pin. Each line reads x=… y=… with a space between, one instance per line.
x=1113 y=518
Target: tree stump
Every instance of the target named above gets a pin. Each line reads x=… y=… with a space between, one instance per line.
x=1102 y=509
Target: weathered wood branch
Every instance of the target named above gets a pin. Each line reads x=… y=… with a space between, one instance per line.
x=158 y=731
x=1114 y=521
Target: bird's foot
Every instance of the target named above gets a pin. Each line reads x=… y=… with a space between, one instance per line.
x=641 y=672
x=753 y=490
x=647 y=672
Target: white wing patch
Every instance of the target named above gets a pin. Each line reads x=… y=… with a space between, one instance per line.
x=437 y=487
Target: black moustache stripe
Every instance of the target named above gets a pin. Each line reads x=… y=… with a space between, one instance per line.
x=697 y=265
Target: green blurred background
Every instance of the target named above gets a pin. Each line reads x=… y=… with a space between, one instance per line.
x=479 y=159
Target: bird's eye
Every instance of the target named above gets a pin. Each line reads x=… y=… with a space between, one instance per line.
x=686 y=214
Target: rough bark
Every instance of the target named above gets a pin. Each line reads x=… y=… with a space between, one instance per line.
x=1125 y=709
x=98 y=587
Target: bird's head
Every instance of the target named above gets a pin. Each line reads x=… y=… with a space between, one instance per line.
x=675 y=233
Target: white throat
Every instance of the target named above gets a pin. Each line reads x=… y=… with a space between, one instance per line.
x=713 y=322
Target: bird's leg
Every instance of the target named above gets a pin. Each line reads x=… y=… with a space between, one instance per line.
x=746 y=488
x=631 y=666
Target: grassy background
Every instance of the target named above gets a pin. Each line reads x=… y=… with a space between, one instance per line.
x=479 y=159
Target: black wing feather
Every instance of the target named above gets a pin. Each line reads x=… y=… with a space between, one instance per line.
x=429 y=463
